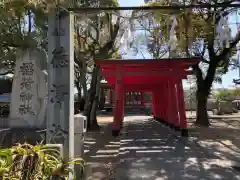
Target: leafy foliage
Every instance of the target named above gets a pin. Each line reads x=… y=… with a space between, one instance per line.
x=19 y=19
x=39 y=162
x=196 y=33
x=228 y=94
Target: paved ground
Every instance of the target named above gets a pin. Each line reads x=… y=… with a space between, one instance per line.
x=189 y=114
x=147 y=150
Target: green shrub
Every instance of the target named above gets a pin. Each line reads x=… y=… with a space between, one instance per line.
x=27 y=162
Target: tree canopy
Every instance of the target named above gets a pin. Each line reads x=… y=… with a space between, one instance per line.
x=19 y=19
x=203 y=32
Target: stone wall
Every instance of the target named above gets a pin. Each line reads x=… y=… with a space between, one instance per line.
x=192 y=106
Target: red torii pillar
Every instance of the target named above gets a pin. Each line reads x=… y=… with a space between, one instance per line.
x=118 y=103
x=158 y=103
x=165 y=101
x=168 y=105
x=181 y=108
x=154 y=103
x=173 y=104
x=172 y=108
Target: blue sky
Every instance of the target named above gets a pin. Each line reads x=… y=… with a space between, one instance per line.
x=227 y=79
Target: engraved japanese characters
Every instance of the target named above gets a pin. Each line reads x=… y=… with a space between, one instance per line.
x=28 y=98
x=26 y=95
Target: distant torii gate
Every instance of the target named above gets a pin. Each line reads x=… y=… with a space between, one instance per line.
x=162 y=77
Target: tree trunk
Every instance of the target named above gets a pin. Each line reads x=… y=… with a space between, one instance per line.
x=85 y=91
x=93 y=115
x=203 y=91
x=83 y=81
x=102 y=98
x=91 y=103
x=84 y=95
x=79 y=93
x=202 y=115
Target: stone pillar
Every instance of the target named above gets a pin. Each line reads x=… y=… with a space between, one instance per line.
x=28 y=97
x=60 y=118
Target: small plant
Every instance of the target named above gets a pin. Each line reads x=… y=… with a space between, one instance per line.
x=27 y=162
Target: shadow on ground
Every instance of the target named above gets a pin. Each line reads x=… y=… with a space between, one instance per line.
x=101 y=153
x=149 y=151
x=222 y=138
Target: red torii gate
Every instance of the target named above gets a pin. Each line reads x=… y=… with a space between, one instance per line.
x=162 y=77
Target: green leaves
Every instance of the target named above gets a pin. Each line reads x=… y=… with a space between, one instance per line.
x=39 y=162
x=225 y=94
x=14 y=31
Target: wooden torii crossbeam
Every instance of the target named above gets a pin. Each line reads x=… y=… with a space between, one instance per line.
x=162 y=77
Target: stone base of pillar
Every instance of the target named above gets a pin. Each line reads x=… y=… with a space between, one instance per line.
x=9 y=137
x=24 y=123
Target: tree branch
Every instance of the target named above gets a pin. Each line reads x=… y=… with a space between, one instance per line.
x=226 y=51
x=198 y=73
x=204 y=60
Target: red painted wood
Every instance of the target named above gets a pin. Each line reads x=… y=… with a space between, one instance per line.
x=145 y=68
x=170 y=102
x=149 y=76
x=136 y=69
x=153 y=103
x=122 y=101
x=162 y=101
x=119 y=101
x=174 y=107
x=142 y=81
x=177 y=103
x=110 y=73
x=165 y=101
x=159 y=103
x=181 y=106
x=150 y=62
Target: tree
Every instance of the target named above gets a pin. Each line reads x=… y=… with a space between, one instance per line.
x=97 y=40
x=19 y=19
x=196 y=32
x=81 y=67
x=97 y=35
